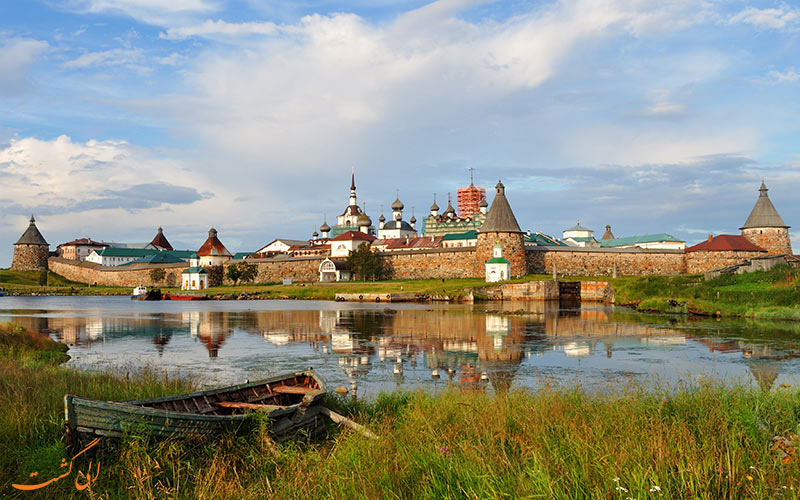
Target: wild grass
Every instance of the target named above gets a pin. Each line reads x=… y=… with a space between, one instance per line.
x=773 y=294
x=703 y=441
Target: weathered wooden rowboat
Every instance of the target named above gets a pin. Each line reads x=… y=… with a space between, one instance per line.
x=292 y=402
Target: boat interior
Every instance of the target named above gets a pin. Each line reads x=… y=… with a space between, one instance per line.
x=264 y=397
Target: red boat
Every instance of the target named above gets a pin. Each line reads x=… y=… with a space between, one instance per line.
x=174 y=296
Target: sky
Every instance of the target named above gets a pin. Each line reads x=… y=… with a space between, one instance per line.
x=120 y=116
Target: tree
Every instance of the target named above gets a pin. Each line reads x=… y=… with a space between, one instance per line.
x=157 y=275
x=248 y=272
x=215 y=275
x=367 y=265
x=242 y=271
x=43 y=277
x=233 y=273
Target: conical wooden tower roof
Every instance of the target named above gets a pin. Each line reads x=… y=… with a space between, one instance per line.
x=161 y=241
x=500 y=218
x=764 y=213
x=32 y=236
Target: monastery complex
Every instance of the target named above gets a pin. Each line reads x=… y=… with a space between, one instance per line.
x=477 y=240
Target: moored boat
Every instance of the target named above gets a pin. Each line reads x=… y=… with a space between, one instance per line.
x=142 y=293
x=292 y=402
x=2 y=291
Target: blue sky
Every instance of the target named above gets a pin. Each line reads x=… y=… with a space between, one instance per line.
x=119 y=116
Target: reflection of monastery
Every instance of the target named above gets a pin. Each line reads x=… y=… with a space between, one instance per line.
x=468 y=348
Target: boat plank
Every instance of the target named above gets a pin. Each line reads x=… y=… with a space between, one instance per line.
x=294 y=389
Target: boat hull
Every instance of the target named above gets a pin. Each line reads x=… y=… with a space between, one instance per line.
x=292 y=403
x=150 y=295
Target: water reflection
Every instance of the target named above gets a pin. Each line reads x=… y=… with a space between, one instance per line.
x=495 y=346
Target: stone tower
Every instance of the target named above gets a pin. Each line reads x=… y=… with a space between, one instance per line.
x=31 y=250
x=501 y=227
x=765 y=227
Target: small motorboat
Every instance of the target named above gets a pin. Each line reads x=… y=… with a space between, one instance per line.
x=142 y=293
x=2 y=291
x=292 y=402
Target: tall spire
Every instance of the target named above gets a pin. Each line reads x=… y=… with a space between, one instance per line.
x=500 y=218
x=353 y=179
x=764 y=213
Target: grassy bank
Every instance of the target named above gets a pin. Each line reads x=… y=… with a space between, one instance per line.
x=773 y=294
x=27 y=283
x=701 y=442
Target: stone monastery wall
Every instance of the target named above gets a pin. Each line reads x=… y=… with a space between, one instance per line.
x=460 y=262
x=602 y=262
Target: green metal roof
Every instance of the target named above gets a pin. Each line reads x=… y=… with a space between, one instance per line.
x=497 y=260
x=544 y=240
x=126 y=252
x=469 y=235
x=582 y=238
x=159 y=258
x=242 y=255
x=181 y=254
x=633 y=240
x=194 y=270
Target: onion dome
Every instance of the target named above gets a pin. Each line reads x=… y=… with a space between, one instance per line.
x=364 y=220
x=483 y=203
x=325 y=227
x=315 y=235
x=434 y=207
x=397 y=204
x=413 y=219
x=381 y=218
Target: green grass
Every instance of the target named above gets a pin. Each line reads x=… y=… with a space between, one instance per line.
x=453 y=288
x=773 y=294
x=701 y=441
x=27 y=283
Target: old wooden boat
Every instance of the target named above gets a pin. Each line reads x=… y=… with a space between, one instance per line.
x=292 y=402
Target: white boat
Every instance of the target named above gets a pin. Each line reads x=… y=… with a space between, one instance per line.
x=141 y=293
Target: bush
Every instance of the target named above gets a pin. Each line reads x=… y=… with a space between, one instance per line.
x=157 y=275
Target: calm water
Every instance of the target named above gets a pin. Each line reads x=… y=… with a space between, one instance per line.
x=378 y=348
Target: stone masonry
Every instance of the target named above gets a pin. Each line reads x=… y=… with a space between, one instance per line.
x=30 y=257
x=513 y=251
x=775 y=240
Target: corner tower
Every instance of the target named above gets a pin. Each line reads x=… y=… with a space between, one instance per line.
x=31 y=250
x=765 y=227
x=501 y=227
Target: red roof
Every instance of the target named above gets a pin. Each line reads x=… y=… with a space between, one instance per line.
x=84 y=242
x=160 y=241
x=212 y=246
x=354 y=236
x=726 y=243
x=423 y=242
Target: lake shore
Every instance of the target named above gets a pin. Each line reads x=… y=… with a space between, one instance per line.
x=763 y=295
x=702 y=441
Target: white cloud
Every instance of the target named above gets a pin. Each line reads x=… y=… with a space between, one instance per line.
x=62 y=176
x=777 y=18
x=112 y=57
x=16 y=57
x=156 y=12
x=219 y=27
x=335 y=81
x=788 y=76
